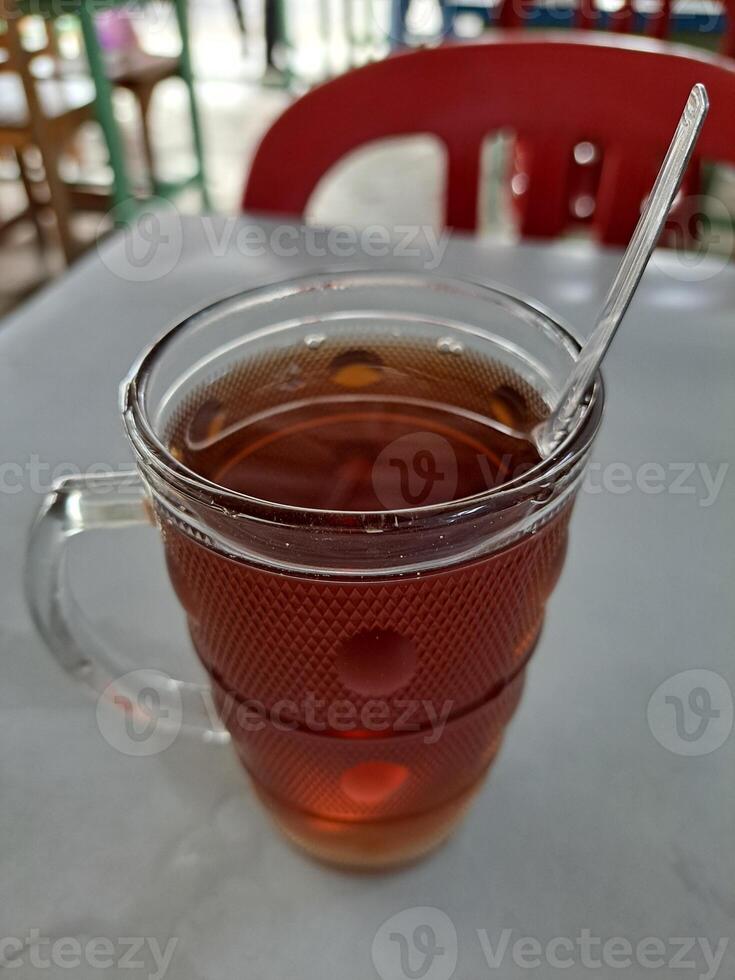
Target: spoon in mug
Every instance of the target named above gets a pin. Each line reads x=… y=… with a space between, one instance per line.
x=547 y=435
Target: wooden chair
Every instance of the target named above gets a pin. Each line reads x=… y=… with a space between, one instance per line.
x=127 y=66
x=29 y=212
x=553 y=91
x=140 y=73
x=40 y=113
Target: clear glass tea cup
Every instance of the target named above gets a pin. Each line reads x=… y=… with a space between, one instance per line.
x=365 y=655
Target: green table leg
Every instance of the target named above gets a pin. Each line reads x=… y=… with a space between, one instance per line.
x=121 y=193
x=188 y=77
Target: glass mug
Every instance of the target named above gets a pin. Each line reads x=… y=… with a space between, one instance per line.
x=367 y=610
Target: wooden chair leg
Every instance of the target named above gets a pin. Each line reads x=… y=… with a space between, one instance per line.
x=143 y=96
x=30 y=194
x=60 y=203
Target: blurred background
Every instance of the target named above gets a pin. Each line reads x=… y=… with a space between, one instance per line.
x=104 y=105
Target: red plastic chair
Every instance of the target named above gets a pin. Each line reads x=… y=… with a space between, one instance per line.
x=588 y=15
x=552 y=90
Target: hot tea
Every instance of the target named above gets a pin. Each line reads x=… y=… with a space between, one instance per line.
x=366 y=709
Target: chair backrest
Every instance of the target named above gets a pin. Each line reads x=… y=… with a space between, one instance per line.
x=552 y=90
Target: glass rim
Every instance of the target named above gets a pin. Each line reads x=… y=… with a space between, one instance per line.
x=154 y=454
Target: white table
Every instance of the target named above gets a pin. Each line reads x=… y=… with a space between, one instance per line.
x=587 y=822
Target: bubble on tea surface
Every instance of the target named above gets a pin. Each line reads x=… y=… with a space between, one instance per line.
x=371 y=783
x=356 y=369
x=448 y=345
x=314 y=340
x=376 y=662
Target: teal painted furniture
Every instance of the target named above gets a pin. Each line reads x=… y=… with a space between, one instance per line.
x=125 y=202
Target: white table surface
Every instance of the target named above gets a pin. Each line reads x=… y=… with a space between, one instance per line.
x=587 y=821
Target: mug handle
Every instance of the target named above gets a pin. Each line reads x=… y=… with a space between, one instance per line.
x=105 y=501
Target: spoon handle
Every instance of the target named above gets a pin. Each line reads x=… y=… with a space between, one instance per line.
x=631 y=269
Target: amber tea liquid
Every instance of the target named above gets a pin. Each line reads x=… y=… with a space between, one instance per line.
x=366 y=710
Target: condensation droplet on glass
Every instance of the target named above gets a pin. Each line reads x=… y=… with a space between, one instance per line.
x=314 y=340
